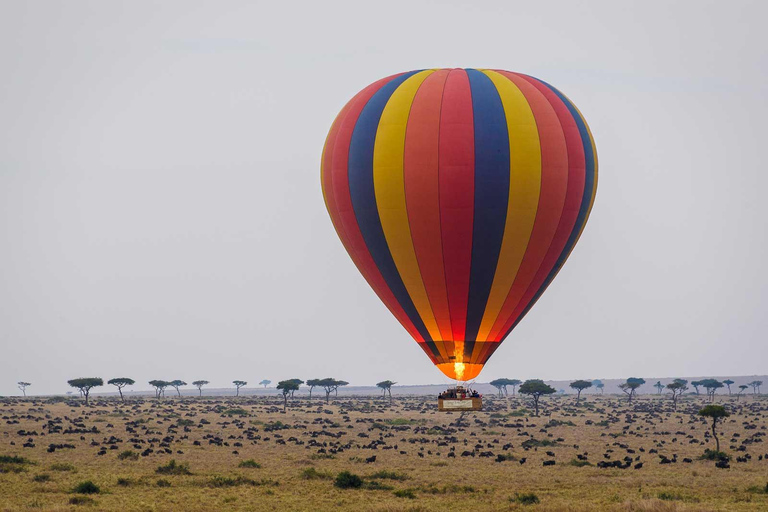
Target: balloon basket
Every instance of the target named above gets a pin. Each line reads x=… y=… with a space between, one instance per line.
x=459 y=399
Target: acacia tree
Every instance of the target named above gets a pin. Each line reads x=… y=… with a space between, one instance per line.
x=498 y=384
x=715 y=412
x=159 y=386
x=265 y=383
x=579 y=386
x=659 y=387
x=340 y=383
x=536 y=388
x=288 y=387
x=386 y=387
x=23 y=386
x=85 y=384
x=742 y=389
x=728 y=383
x=696 y=384
x=199 y=384
x=120 y=383
x=677 y=387
x=238 y=384
x=711 y=385
x=598 y=384
x=630 y=387
x=312 y=383
x=330 y=385
x=756 y=386
x=298 y=383
x=176 y=384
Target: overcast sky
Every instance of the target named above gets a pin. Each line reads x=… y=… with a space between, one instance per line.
x=161 y=213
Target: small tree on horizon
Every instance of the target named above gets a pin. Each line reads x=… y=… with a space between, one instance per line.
x=85 y=384
x=536 y=388
x=677 y=387
x=23 y=387
x=696 y=384
x=298 y=383
x=579 y=386
x=340 y=383
x=312 y=383
x=711 y=385
x=498 y=384
x=715 y=412
x=728 y=383
x=386 y=387
x=598 y=384
x=742 y=389
x=265 y=382
x=659 y=387
x=159 y=386
x=120 y=383
x=176 y=384
x=238 y=384
x=756 y=386
x=330 y=385
x=631 y=386
x=199 y=385
x=288 y=387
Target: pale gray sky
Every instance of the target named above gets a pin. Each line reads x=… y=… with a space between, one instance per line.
x=161 y=213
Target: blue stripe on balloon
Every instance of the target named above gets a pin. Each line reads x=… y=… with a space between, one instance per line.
x=586 y=199
x=491 y=196
x=364 y=198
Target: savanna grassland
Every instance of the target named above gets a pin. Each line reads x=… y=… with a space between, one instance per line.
x=245 y=453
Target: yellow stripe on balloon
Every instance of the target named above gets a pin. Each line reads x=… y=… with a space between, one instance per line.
x=524 y=188
x=389 y=185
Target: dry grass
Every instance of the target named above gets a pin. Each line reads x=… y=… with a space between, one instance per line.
x=293 y=465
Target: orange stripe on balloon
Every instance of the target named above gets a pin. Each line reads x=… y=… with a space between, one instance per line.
x=554 y=180
x=420 y=168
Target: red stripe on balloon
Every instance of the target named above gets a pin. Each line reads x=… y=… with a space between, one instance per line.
x=457 y=193
x=420 y=169
x=576 y=179
x=554 y=179
x=342 y=212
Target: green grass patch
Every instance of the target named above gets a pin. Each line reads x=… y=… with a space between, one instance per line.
x=42 y=478
x=405 y=493
x=173 y=468
x=579 y=463
x=313 y=474
x=250 y=463
x=62 y=466
x=81 y=500
x=128 y=455
x=526 y=498
x=347 y=480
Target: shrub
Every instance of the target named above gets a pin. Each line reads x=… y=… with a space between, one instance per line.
x=81 y=500
x=250 y=463
x=172 y=468
x=527 y=498
x=128 y=455
x=62 y=466
x=124 y=482
x=347 y=480
x=375 y=485
x=226 y=481
x=42 y=478
x=86 y=487
x=13 y=459
x=714 y=455
x=389 y=475
x=313 y=474
x=405 y=493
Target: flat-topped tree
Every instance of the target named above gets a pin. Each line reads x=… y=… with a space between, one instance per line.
x=176 y=384
x=715 y=412
x=288 y=387
x=120 y=383
x=677 y=387
x=742 y=389
x=598 y=384
x=199 y=385
x=756 y=386
x=536 y=388
x=265 y=382
x=85 y=384
x=386 y=387
x=711 y=385
x=696 y=384
x=340 y=383
x=659 y=387
x=330 y=385
x=238 y=384
x=298 y=383
x=159 y=386
x=579 y=386
x=312 y=383
x=499 y=385
x=631 y=386
x=728 y=383
x=23 y=386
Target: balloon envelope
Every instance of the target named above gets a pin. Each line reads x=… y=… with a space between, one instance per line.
x=459 y=194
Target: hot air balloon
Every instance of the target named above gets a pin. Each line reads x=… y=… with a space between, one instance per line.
x=459 y=194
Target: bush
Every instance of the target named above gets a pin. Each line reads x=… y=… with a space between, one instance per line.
x=124 y=482
x=347 y=480
x=313 y=474
x=42 y=478
x=86 y=487
x=714 y=455
x=13 y=459
x=81 y=500
x=226 y=481
x=527 y=498
x=389 y=475
x=250 y=463
x=172 y=468
x=375 y=485
x=128 y=454
x=62 y=466
x=405 y=493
